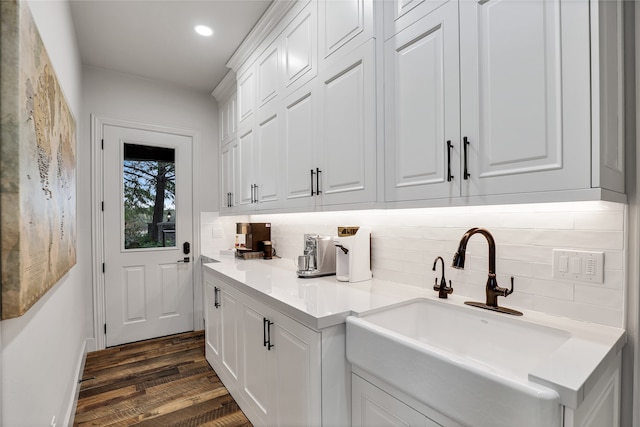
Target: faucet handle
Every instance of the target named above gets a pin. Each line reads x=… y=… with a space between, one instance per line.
x=509 y=291
x=442 y=288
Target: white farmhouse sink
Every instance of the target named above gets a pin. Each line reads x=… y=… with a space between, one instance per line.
x=470 y=365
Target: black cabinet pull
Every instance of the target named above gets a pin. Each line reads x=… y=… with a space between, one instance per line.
x=216 y=302
x=266 y=333
x=449 y=147
x=318 y=172
x=312 y=173
x=269 y=345
x=230 y=200
x=254 y=193
x=465 y=143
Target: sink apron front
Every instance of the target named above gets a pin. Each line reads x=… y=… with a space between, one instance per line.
x=457 y=388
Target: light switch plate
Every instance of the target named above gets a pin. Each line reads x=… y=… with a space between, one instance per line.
x=583 y=266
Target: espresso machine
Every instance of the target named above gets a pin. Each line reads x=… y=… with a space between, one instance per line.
x=319 y=257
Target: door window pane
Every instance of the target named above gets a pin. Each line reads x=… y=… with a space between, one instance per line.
x=149 y=176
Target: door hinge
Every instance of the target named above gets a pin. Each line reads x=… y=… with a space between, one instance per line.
x=103 y=267
x=102 y=145
x=105 y=329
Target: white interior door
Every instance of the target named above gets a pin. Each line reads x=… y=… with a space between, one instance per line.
x=147 y=221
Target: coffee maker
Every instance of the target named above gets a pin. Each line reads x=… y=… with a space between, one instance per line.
x=319 y=257
x=353 y=254
x=250 y=238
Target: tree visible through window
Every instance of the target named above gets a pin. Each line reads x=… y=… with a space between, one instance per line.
x=149 y=175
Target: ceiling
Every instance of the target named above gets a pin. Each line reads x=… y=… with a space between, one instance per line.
x=155 y=39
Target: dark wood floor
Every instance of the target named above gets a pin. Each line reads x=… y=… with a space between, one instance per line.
x=160 y=382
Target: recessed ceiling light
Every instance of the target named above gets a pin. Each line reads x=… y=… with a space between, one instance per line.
x=203 y=30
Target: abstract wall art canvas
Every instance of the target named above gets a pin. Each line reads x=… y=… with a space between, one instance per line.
x=37 y=166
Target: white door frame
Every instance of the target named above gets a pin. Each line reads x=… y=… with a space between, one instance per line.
x=97 y=218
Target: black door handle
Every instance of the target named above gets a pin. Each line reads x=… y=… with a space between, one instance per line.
x=318 y=172
x=216 y=302
x=449 y=147
x=465 y=143
x=266 y=333
x=312 y=173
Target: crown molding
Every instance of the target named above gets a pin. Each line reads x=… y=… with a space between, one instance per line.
x=260 y=32
x=226 y=87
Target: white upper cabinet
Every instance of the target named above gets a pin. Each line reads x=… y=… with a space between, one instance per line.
x=246 y=95
x=607 y=91
x=227 y=122
x=228 y=168
x=344 y=24
x=299 y=140
x=269 y=74
x=520 y=112
x=399 y=14
x=246 y=176
x=525 y=104
x=347 y=128
x=422 y=125
x=300 y=48
x=267 y=162
x=427 y=101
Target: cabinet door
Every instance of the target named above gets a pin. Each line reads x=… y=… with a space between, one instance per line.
x=228 y=160
x=213 y=322
x=230 y=327
x=269 y=74
x=246 y=169
x=223 y=119
x=399 y=14
x=344 y=24
x=422 y=109
x=246 y=95
x=297 y=365
x=299 y=139
x=227 y=115
x=373 y=407
x=300 y=48
x=222 y=322
x=348 y=128
x=267 y=162
x=258 y=378
x=525 y=96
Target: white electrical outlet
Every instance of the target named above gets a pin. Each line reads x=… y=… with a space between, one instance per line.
x=583 y=266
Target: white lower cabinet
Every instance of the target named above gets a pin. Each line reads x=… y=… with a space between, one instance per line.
x=269 y=362
x=222 y=348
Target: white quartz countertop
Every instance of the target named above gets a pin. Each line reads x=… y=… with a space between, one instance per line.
x=317 y=303
x=323 y=302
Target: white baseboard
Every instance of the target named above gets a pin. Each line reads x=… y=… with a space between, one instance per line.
x=89 y=344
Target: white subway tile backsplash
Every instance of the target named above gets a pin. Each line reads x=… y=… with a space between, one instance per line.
x=597 y=295
x=405 y=242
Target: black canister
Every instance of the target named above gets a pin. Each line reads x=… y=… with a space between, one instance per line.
x=268 y=250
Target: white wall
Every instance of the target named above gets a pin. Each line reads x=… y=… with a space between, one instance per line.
x=131 y=98
x=42 y=350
